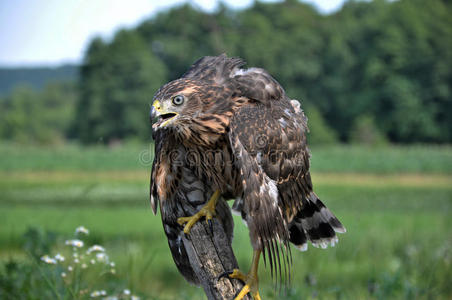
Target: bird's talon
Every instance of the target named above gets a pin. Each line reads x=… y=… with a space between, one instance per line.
x=237 y=274
x=251 y=279
x=251 y=284
x=207 y=211
x=187 y=229
x=181 y=221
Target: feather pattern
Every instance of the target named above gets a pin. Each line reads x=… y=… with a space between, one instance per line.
x=238 y=132
x=183 y=193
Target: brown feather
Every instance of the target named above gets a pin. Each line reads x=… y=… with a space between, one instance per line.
x=240 y=133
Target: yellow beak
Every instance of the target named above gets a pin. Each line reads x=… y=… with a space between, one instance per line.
x=157 y=110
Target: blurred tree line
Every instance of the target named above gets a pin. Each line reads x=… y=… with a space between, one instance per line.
x=372 y=72
x=42 y=117
x=35 y=77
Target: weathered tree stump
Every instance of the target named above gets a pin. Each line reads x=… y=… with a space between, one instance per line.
x=211 y=255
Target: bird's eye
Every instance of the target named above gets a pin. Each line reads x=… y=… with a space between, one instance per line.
x=178 y=100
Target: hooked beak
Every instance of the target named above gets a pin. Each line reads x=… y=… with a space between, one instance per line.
x=160 y=115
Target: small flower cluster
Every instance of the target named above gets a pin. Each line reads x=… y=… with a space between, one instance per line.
x=81 y=229
x=98 y=293
x=75 y=243
x=81 y=260
x=53 y=260
x=126 y=294
x=49 y=260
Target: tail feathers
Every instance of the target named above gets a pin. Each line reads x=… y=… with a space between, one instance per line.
x=316 y=223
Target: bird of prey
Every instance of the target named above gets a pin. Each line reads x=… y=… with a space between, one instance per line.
x=225 y=132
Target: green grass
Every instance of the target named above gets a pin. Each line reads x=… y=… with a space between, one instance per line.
x=339 y=158
x=398 y=214
x=406 y=244
x=75 y=157
x=393 y=159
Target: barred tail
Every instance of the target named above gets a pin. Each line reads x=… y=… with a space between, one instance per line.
x=316 y=223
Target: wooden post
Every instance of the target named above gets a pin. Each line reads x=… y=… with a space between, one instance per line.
x=211 y=255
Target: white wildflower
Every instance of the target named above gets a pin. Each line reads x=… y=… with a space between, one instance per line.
x=75 y=243
x=81 y=229
x=63 y=274
x=48 y=260
x=102 y=257
x=76 y=261
x=95 y=294
x=75 y=255
x=93 y=261
x=126 y=292
x=133 y=297
x=69 y=268
x=95 y=248
x=84 y=266
x=112 y=264
x=59 y=257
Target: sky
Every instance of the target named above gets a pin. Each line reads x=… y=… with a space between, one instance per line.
x=55 y=32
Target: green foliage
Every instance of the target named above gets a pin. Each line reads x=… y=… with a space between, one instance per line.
x=116 y=88
x=319 y=132
x=388 y=61
x=364 y=131
x=20 y=280
x=394 y=73
x=183 y=34
x=37 y=242
x=28 y=116
x=83 y=273
x=380 y=59
x=35 y=77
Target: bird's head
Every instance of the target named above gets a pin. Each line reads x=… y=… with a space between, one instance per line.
x=175 y=103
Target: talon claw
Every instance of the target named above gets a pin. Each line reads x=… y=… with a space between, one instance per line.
x=225 y=274
x=210 y=226
x=250 y=280
x=207 y=211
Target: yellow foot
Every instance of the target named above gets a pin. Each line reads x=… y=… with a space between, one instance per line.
x=251 y=279
x=251 y=284
x=207 y=211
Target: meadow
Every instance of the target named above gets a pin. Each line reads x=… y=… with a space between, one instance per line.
x=396 y=203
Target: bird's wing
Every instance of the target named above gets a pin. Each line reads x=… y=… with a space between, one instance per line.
x=272 y=141
x=259 y=203
x=272 y=130
x=215 y=70
x=268 y=138
x=266 y=142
